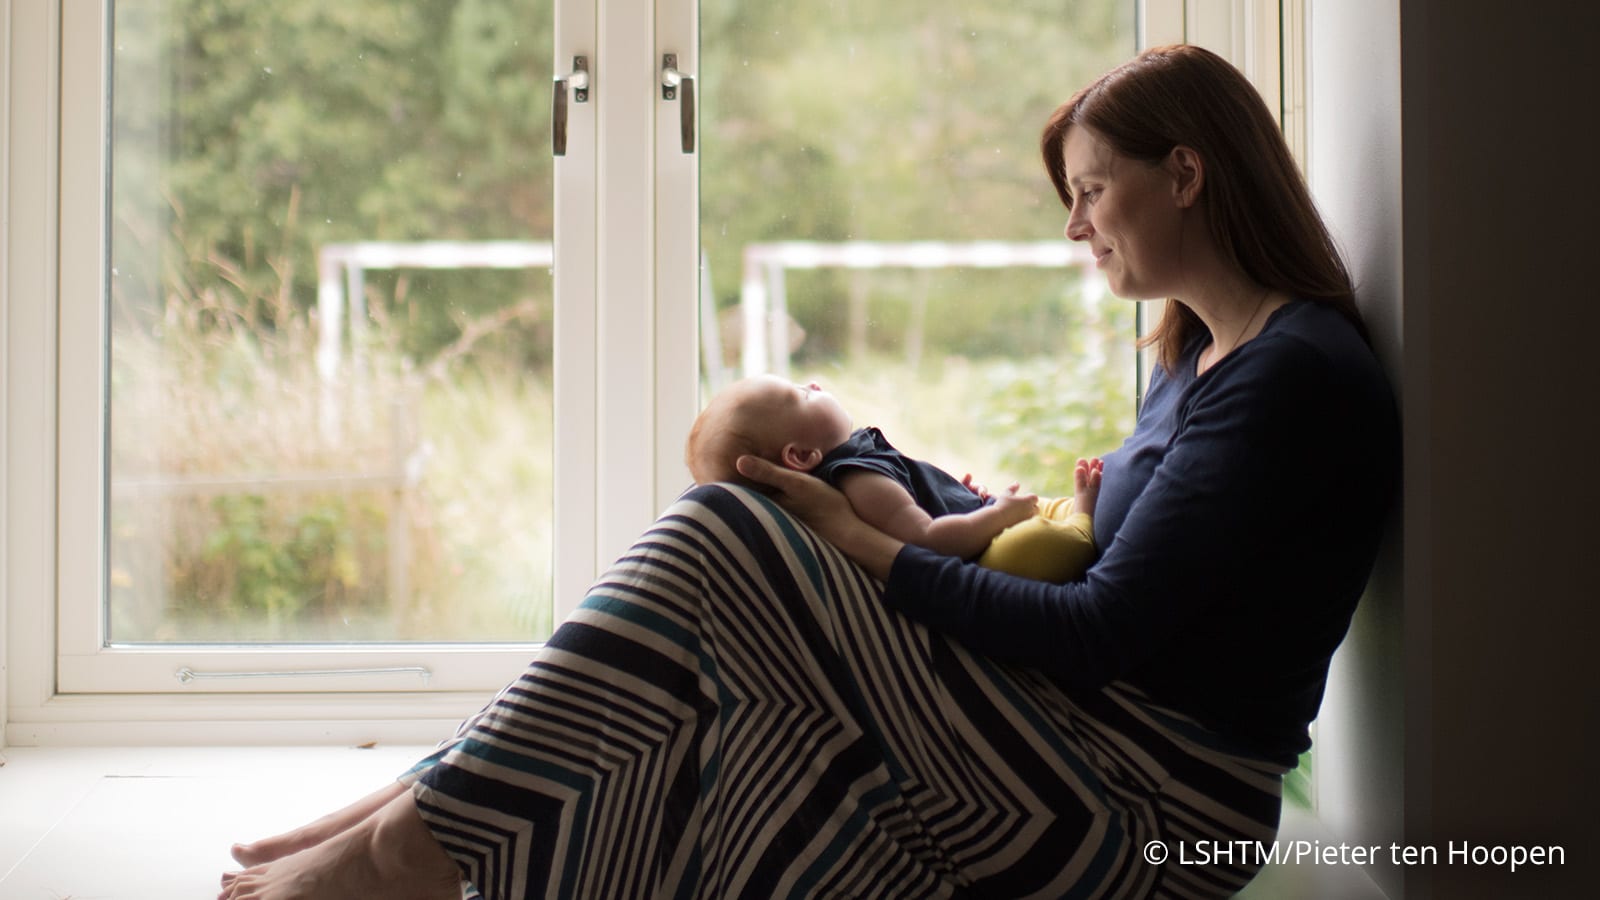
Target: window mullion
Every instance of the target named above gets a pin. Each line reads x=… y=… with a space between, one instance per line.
x=81 y=376
x=677 y=251
x=625 y=280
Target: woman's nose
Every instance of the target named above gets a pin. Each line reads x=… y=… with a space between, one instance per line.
x=1077 y=226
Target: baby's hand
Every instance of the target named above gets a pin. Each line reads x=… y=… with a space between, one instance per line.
x=1016 y=505
x=1086 y=485
x=978 y=489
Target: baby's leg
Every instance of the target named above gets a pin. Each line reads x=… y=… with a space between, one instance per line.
x=1045 y=548
x=1086 y=485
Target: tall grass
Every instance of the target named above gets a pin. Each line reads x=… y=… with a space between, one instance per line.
x=476 y=523
x=490 y=495
x=254 y=500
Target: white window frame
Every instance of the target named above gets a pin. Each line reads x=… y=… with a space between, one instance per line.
x=631 y=383
x=85 y=664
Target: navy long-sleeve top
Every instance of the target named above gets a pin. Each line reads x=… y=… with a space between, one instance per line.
x=1240 y=522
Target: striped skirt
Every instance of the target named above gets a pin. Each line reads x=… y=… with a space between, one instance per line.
x=733 y=713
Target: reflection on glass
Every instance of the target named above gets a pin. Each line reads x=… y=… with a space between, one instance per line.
x=330 y=397
x=914 y=121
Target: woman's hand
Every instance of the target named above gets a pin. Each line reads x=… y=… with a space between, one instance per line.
x=810 y=499
x=826 y=510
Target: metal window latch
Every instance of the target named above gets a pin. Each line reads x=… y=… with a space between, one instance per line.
x=578 y=81
x=186 y=675
x=672 y=81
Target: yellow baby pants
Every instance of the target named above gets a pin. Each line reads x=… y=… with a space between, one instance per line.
x=1056 y=545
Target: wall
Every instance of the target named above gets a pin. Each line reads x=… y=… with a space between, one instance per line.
x=1354 y=167
x=1449 y=152
x=5 y=311
x=1500 y=312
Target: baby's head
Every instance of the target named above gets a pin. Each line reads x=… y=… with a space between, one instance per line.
x=793 y=425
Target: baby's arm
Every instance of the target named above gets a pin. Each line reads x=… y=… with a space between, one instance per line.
x=882 y=503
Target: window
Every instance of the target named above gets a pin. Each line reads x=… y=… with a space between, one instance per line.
x=257 y=297
x=323 y=312
x=874 y=215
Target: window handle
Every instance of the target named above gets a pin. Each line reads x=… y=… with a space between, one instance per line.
x=672 y=81
x=578 y=80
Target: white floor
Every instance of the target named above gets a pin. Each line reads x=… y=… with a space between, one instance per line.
x=101 y=823
x=91 y=823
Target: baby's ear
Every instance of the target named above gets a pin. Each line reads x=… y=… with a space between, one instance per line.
x=798 y=458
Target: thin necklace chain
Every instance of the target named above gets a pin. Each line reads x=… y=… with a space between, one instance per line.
x=1216 y=357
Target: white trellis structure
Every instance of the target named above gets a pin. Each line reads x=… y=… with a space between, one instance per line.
x=341 y=280
x=341 y=283
x=764 y=304
x=762 y=297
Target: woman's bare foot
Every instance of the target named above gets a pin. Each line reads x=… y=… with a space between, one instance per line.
x=307 y=836
x=389 y=854
x=1086 y=485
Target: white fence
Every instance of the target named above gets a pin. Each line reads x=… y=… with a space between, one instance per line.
x=763 y=301
x=342 y=269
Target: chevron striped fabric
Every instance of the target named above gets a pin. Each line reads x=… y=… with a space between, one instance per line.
x=733 y=713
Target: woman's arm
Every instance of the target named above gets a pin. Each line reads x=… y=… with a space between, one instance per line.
x=1252 y=503
x=828 y=512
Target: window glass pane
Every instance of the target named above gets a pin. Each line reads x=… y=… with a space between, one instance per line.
x=330 y=315
x=836 y=133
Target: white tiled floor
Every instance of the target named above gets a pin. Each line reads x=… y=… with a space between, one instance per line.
x=135 y=823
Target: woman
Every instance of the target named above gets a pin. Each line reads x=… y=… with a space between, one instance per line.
x=737 y=710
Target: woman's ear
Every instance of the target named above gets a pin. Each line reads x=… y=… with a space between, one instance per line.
x=798 y=458
x=1188 y=173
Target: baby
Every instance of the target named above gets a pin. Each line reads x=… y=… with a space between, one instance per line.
x=804 y=428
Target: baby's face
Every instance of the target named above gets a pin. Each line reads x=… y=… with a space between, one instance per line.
x=808 y=415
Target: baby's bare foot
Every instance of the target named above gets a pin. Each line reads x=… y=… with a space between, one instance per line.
x=1086 y=485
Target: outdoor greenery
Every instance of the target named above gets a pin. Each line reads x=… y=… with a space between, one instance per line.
x=1297 y=784
x=247 y=135
x=895 y=121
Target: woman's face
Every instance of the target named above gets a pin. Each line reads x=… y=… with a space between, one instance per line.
x=1129 y=214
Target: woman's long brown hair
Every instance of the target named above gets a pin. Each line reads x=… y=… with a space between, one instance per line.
x=1260 y=212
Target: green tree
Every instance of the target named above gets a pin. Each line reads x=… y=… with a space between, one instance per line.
x=888 y=121
x=249 y=134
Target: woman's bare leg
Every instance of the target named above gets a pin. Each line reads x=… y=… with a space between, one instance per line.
x=390 y=854
x=307 y=836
